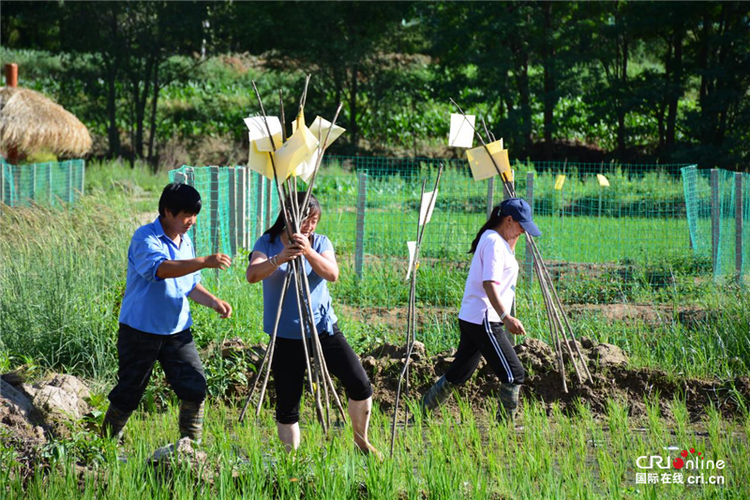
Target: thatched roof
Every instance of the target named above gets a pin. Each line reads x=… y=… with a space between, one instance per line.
x=31 y=122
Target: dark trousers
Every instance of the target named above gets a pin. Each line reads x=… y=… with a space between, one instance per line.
x=488 y=340
x=138 y=352
x=289 y=369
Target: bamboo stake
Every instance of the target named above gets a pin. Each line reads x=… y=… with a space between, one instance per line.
x=268 y=355
x=289 y=230
x=312 y=376
x=411 y=312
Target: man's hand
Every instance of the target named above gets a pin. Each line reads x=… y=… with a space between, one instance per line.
x=513 y=325
x=217 y=261
x=223 y=308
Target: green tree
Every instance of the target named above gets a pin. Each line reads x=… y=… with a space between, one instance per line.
x=132 y=43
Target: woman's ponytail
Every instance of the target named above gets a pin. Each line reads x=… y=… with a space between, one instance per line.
x=495 y=218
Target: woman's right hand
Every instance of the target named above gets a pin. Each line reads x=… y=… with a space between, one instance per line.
x=290 y=252
x=514 y=326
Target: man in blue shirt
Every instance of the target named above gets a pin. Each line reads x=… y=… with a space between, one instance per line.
x=155 y=319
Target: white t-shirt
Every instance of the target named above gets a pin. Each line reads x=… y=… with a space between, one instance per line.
x=493 y=261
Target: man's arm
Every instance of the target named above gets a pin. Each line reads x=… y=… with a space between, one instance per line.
x=178 y=268
x=205 y=298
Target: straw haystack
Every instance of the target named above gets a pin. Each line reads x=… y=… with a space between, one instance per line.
x=30 y=122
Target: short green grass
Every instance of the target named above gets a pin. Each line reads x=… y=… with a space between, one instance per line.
x=447 y=456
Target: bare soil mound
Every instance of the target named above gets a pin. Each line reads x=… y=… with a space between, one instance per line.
x=31 y=413
x=612 y=375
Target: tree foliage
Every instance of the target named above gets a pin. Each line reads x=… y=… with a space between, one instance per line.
x=653 y=81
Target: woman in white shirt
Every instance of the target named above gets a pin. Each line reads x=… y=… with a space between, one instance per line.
x=485 y=309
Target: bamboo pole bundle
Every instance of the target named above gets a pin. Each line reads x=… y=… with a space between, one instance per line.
x=320 y=383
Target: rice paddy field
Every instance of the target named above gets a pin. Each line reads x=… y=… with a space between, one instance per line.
x=62 y=276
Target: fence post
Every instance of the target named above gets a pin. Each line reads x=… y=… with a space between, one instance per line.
x=490 y=196
x=258 y=205
x=738 y=199
x=511 y=338
x=190 y=181
x=83 y=176
x=32 y=184
x=242 y=206
x=232 y=210
x=359 y=252
x=214 y=197
x=529 y=264
x=71 y=194
x=715 y=220
x=50 y=191
x=2 y=182
x=15 y=193
x=179 y=178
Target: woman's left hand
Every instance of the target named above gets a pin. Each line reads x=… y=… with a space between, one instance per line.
x=302 y=242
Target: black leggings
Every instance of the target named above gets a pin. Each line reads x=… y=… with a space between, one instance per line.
x=138 y=352
x=289 y=369
x=488 y=340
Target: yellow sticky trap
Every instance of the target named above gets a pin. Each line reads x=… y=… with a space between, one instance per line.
x=412 y=246
x=482 y=166
x=559 y=182
x=320 y=127
x=603 y=181
x=259 y=132
x=259 y=161
x=298 y=149
x=306 y=169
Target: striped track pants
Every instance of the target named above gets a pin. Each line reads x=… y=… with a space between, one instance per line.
x=488 y=340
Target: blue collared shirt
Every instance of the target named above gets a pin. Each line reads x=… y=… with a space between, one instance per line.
x=289 y=325
x=152 y=304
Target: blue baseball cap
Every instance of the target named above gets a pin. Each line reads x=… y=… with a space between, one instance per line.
x=521 y=213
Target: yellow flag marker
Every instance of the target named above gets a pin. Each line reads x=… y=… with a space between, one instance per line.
x=481 y=164
x=603 y=182
x=559 y=182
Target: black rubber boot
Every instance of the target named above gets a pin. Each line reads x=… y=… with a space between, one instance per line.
x=191 y=420
x=509 y=394
x=436 y=395
x=114 y=422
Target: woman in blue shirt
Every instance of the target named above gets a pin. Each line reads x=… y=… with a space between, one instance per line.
x=269 y=263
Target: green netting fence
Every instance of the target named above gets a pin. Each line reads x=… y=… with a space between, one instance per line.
x=371 y=206
x=52 y=183
x=237 y=206
x=718 y=209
